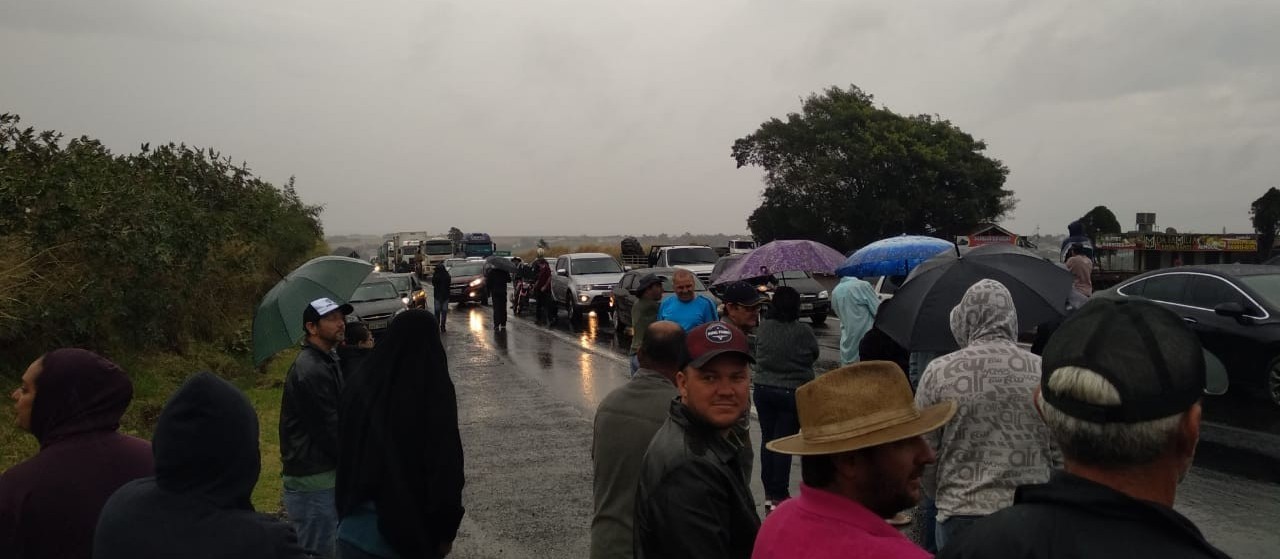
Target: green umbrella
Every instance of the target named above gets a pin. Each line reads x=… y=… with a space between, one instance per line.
x=277 y=324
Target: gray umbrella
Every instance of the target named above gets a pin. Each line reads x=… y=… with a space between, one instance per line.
x=918 y=316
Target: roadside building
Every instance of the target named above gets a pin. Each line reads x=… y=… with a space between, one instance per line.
x=992 y=234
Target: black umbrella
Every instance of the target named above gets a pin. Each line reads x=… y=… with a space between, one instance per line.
x=502 y=263
x=918 y=316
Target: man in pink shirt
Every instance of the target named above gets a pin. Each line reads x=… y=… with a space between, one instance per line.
x=862 y=458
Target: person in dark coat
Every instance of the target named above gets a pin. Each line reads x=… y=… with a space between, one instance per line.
x=356 y=348
x=197 y=505
x=71 y=400
x=1120 y=392
x=400 y=473
x=440 y=280
x=496 y=280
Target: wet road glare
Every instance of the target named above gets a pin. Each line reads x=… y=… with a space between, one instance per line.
x=527 y=396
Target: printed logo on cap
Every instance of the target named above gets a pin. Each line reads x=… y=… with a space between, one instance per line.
x=719 y=334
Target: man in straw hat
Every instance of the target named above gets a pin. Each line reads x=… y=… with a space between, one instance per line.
x=693 y=499
x=1121 y=394
x=862 y=458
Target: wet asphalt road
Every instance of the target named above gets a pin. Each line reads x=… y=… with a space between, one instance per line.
x=527 y=397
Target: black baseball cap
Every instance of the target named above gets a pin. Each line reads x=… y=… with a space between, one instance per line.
x=645 y=282
x=743 y=293
x=322 y=307
x=1146 y=351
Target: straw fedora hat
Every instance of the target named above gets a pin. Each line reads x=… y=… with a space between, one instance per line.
x=859 y=406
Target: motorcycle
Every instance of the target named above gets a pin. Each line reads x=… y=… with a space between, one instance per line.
x=522 y=289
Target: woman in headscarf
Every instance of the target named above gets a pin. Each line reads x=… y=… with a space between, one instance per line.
x=71 y=400
x=400 y=472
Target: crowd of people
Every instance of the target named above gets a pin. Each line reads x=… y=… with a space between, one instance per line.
x=1000 y=452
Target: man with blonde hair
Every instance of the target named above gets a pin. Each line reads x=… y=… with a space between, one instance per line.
x=1121 y=395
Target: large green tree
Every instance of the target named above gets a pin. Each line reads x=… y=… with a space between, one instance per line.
x=846 y=172
x=1100 y=221
x=1265 y=213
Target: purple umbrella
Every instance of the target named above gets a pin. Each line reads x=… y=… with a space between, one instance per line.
x=784 y=256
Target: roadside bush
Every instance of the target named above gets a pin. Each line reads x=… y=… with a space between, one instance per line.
x=148 y=251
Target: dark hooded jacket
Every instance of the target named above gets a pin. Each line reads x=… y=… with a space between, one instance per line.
x=197 y=505
x=49 y=505
x=400 y=447
x=440 y=281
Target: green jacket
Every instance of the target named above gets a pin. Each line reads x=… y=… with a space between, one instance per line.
x=625 y=423
x=642 y=315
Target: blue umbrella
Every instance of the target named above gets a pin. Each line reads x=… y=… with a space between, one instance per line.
x=895 y=256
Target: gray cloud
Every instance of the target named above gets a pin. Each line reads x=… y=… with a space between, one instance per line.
x=576 y=116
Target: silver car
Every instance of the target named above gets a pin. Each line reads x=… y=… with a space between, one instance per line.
x=584 y=281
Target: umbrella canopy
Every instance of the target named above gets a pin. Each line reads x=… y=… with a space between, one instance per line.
x=895 y=256
x=918 y=317
x=783 y=256
x=277 y=323
x=502 y=263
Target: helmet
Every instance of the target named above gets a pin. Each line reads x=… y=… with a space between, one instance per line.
x=541 y=251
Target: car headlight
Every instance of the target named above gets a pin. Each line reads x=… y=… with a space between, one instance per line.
x=404 y=300
x=476 y=282
x=584 y=298
x=824 y=294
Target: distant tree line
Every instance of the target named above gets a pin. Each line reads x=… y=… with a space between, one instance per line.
x=158 y=249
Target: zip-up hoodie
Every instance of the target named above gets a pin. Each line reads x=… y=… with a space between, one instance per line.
x=996 y=441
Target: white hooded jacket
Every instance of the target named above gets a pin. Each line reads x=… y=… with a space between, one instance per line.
x=997 y=440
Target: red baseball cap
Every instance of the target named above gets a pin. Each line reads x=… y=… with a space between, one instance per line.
x=710 y=340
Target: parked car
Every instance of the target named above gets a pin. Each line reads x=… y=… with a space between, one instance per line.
x=410 y=289
x=624 y=299
x=1235 y=310
x=583 y=282
x=815 y=300
x=375 y=302
x=467 y=283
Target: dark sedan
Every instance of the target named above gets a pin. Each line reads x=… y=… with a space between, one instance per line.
x=624 y=299
x=467 y=285
x=410 y=288
x=375 y=303
x=1235 y=309
x=815 y=300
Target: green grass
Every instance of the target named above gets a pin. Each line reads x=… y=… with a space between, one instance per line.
x=155 y=376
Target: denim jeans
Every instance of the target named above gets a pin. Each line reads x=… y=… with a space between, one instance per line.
x=442 y=307
x=953 y=528
x=927 y=513
x=635 y=364
x=778 y=418
x=314 y=514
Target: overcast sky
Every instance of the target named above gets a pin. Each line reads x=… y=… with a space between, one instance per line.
x=603 y=117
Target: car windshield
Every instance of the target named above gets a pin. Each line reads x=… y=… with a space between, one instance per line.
x=401 y=282
x=595 y=266
x=1266 y=285
x=467 y=269
x=696 y=255
x=439 y=249
x=374 y=292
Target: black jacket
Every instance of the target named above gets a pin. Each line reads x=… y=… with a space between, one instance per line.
x=309 y=414
x=350 y=359
x=496 y=279
x=1071 y=517
x=197 y=506
x=693 y=500
x=440 y=280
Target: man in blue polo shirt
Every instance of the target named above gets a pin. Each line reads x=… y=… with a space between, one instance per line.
x=687 y=309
